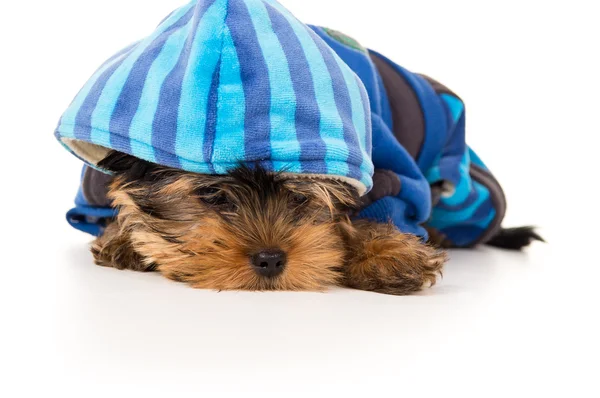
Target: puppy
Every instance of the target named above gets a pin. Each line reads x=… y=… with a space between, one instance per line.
x=254 y=230
x=345 y=160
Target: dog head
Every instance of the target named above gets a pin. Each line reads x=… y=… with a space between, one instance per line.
x=250 y=229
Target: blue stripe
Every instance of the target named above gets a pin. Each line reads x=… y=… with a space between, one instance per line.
x=469 y=201
x=295 y=167
x=180 y=127
x=229 y=132
x=358 y=108
x=66 y=124
x=360 y=100
x=367 y=167
x=83 y=124
x=434 y=174
x=128 y=100
x=307 y=117
x=68 y=120
x=284 y=142
x=141 y=96
x=331 y=127
x=455 y=105
x=443 y=219
x=108 y=100
x=255 y=79
x=368 y=122
x=211 y=117
x=344 y=105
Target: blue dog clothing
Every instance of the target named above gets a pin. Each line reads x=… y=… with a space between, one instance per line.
x=224 y=82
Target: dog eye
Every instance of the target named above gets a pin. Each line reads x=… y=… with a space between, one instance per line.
x=216 y=200
x=213 y=197
x=298 y=199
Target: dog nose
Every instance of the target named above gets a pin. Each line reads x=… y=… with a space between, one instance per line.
x=269 y=263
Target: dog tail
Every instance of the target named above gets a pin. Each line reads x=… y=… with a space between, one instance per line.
x=515 y=238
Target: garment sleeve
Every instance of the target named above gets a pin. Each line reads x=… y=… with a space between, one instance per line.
x=92 y=210
x=408 y=206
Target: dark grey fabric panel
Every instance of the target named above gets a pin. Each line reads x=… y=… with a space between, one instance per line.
x=385 y=183
x=95 y=187
x=485 y=178
x=407 y=116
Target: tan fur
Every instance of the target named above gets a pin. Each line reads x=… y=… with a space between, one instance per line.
x=172 y=226
x=384 y=260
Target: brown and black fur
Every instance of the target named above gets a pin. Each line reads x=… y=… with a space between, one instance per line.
x=204 y=230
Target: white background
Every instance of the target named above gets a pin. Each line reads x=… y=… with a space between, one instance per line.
x=499 y=324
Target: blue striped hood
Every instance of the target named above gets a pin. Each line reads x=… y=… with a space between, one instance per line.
x=224 y=82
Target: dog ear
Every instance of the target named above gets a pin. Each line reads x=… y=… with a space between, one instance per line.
x=130 y=167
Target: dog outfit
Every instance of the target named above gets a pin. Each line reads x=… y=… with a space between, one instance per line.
x=224 y=82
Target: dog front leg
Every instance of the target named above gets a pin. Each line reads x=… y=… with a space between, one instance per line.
x=382 y=259
x=114 y=249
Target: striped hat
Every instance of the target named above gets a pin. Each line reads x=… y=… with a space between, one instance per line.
x=224 y=82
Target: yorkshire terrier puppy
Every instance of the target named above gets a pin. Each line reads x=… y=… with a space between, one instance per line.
x=254 y=230
x=330 y=139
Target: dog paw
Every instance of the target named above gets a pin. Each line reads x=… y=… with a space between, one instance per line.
x=394 y=263
x=114 y=249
